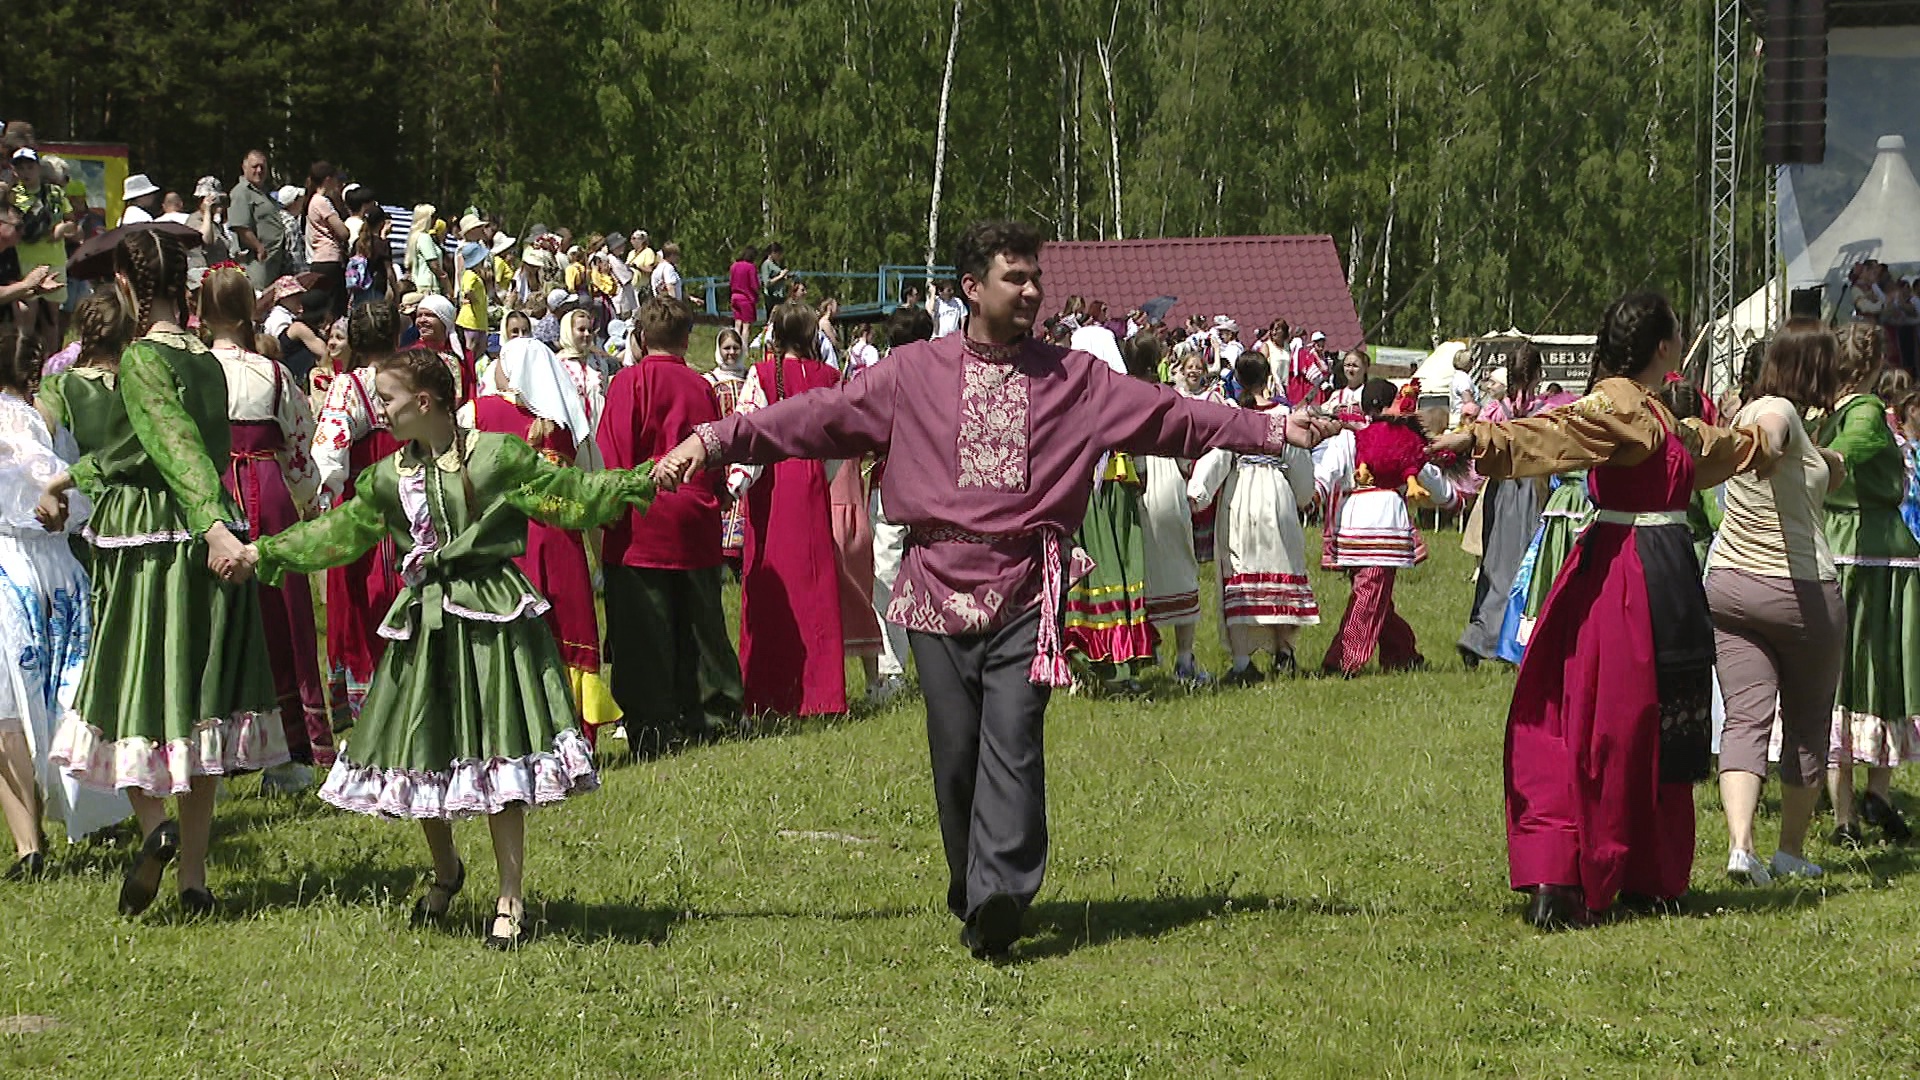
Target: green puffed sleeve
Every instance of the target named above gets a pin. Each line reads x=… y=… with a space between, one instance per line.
x=335 y=538
x=567 y=498
x=51 y=400
x=169 y=436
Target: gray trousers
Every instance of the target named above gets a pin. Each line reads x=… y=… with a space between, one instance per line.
x=985 y=729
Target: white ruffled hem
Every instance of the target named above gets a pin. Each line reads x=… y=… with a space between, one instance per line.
x=530 y=606
x=242 y=742
x=1868 y=740
x=467 y=788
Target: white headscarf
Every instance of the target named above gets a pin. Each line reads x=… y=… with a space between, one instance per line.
x=442 y=309
x=535 y=374
x=739 y=368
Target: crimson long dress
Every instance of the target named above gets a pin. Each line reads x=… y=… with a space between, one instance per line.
x=791 y=653
x=555 y=559
x=1609 y=725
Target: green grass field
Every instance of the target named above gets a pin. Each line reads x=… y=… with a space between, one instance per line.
x=1306 y=879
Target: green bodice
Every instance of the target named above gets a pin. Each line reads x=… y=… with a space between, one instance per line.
x=458 y=521
x=153 y=441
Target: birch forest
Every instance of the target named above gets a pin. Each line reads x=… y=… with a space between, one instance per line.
x=1480 y=163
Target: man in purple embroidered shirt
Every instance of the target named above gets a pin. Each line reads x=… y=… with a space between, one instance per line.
x=991 y=440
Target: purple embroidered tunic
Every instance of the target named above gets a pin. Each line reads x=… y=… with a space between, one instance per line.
x=990 y=452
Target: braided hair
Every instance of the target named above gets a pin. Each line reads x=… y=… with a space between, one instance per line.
x=373 y=331
x=155 y=264
x=226 y=303
x=1254 y=374
x=19 y=356
x=796 y=330
x=1630 y=334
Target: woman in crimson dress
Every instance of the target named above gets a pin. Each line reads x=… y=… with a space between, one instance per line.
x=535 y=398
x=791 y=652
x=1609 y=728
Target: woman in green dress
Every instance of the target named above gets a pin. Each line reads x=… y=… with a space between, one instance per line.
x=1878 y=561
x=178 y=690
x=470 y=711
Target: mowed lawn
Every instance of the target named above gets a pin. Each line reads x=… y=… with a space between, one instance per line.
x=1304 y=879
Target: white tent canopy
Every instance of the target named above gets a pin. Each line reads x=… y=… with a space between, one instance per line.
x=1882 y=222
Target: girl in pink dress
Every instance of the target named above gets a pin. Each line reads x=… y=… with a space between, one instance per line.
x=790 y=631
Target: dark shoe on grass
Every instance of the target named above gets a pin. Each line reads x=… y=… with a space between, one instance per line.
x=143 y=877
x=198 y=903
x=1251 y=675
x=1882 y=815
x=1848 y=836
x=32 y=865
x=993 y=929
x=1558 y=907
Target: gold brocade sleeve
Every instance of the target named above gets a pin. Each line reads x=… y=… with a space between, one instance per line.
x=1613 y=425
x=1722 y=453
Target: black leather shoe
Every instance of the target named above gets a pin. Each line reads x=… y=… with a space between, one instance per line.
x=1251 y=675
x=1285 y=666
x=516 y=933
x=198 y=903
x=31 y=865
x=1882 y=815
x=1557 y=907
x=1847 y=836
x=995 y=926
x=432 y=907
x=143 y=877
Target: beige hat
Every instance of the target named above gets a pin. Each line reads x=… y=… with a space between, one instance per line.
x=470 y=224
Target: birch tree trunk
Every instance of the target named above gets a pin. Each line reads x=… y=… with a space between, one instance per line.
x=1104 y=53
x=940 y=141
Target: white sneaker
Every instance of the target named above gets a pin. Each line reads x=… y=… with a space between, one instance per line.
x=885 y=690
x=1785 y=865
x=286 y=779
x=1746 y=868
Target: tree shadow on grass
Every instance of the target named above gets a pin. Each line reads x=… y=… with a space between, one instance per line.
x=1058 y=927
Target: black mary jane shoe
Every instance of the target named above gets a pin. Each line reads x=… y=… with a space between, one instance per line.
x=1557 y=907
x=1882 y=815
x=426 y=911
x=1848 y=836
x=198 y=903
x=32 y=865
x=516 y=934
x=1285 y=666
x=994 y=927
x=143 y=877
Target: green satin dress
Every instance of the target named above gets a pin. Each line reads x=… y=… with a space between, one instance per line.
x=469 y=711
x=1878 y=562
x=178 y=683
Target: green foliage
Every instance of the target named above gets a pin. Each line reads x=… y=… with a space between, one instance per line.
x=1479 y=162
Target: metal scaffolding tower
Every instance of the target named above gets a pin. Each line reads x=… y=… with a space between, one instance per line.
x=1723 y=179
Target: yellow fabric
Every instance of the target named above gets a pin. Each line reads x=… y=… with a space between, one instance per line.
x=575 y=274
x=473 y=302
x=592 y=700
x=1120 y=469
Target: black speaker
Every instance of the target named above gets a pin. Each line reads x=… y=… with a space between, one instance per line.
x=1794 y=103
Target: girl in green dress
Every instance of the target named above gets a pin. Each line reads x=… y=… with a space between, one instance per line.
x=178 y=689
x=470 y=711
x=1878 y=561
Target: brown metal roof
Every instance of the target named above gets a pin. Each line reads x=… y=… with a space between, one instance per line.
x=1253 y=279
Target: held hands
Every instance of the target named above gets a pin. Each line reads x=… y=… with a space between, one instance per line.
x=680 y=464
x=1457 y=443
x=227 y=556
x=51 y=512
x=1307 y=431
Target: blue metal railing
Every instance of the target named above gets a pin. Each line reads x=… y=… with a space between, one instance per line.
x=888 y=285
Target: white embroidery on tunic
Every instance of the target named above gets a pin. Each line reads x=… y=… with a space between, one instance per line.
x=913 y=611
x=974 y=614
x=992 y=447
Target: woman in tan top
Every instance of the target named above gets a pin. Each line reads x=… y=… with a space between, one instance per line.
x=1779 y=625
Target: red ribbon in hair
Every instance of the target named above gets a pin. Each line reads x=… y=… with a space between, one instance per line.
x=227 y=265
